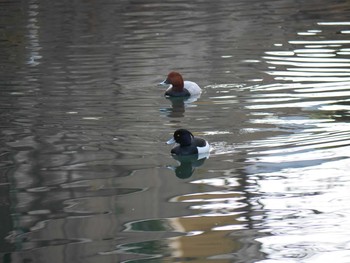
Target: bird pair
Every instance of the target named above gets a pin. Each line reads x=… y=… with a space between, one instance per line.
x=188 y=144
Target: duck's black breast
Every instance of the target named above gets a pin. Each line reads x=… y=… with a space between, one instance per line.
x=173 y=93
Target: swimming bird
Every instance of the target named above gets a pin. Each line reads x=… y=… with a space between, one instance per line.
x=179 y=87
x=188 y=144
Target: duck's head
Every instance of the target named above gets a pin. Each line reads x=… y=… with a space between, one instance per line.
x=175 y=79
x=182 y=137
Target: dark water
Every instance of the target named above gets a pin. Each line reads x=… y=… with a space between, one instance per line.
x=85 y=175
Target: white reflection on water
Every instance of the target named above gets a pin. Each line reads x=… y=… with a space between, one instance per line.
x=307 y=219
x=303 y=175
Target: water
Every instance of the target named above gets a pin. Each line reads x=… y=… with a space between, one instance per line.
x=86 y=175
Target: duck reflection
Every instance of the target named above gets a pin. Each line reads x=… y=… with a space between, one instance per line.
x=179 y=104
x=188 y=164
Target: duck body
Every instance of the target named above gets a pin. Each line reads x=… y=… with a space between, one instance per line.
x=188 y=144
x=179 y=87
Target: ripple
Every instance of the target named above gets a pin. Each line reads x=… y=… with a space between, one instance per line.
x=302 y=174
x=83 y=164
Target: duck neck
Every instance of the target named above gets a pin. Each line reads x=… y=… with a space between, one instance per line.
x=178 y=85
x=187 y=142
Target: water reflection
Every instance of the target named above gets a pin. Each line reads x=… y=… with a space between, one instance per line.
x=188 y=164
x=311 y=110
x=83 y=168
x=179 y=106
x=194 y=237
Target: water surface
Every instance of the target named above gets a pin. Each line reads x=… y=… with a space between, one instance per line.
x=86 y=175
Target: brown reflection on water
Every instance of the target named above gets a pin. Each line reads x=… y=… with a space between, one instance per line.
x=203 y=245
x=207 y=235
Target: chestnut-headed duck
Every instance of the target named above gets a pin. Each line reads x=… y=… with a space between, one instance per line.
x=189 y=144
x=179 y=87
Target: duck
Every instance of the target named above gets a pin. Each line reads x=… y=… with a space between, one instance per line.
x=179 y=87
x=188 y=144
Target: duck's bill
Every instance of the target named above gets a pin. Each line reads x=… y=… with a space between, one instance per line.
x=171 y=141
x=164 y=83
